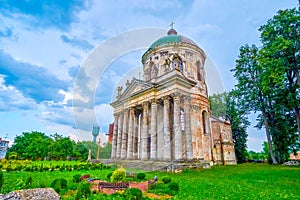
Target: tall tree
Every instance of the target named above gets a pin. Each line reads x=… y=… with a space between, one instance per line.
x=280 y=57
x=249 y=88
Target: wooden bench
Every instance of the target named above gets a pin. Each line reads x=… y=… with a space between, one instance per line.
x=85 y=177
x=116 y=186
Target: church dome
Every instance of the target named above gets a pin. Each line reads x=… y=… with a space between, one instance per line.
x=170 y=39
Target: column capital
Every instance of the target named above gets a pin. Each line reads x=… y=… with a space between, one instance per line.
x=187 y=99
x=153 y=101
x=176 y=94
x=166 y=99
x=146 y=103
x=131 y=110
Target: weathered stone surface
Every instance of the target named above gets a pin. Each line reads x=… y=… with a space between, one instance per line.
x=31 y=194
x=292 y=163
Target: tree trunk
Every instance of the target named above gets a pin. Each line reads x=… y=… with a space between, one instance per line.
x=297 y=111
x=269 y=139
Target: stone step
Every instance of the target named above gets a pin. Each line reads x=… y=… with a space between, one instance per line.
x=155 y=165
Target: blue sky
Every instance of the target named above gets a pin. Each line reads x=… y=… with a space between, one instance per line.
x=44 y=43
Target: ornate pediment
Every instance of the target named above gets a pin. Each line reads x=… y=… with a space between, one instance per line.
x=134 y=87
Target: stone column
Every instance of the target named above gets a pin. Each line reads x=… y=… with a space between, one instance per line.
x=144 y=135
x=119 y=139
x=114 y=138
x=167 y=136
x=130 y=134
x=187 y=128
x=177 y=129
x=153 y=154
x=124 y=135
x=136 y=135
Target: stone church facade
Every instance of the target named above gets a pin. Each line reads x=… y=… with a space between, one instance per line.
x=166 y=116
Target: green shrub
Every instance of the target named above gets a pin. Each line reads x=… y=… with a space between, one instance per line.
x=1 y=179
x=63 y=183
x=19 y=184
x=76 y=178
x=173 y=186
x=58 y=184
x=166 y=179
x=55 y=182
x=9 y=168
x=109 y=175
x=134 y=194
x=42 y=184
x=28 y=181
x=72 y=186
x=141 y=176
x=83 y=191
x=118 y=175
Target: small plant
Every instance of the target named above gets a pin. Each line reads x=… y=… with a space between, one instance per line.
x=28 y=182
x=83 y=191
x=63 y=183
x=19 y=184
x=173 y=186
x=59 y=184
x=141 y=176
x=42 y=184
x=109 y=175
x=76 y=178
x=9 y=168
x=134 y=194
x=166 y=179
x=118 y=175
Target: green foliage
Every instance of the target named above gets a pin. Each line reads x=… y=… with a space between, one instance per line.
x=83 y=191
x=76 y=178
x=63 y=183
x=141 y=176
x=133 y=193
x=174 y=186
x=118 y=175
x=13 y=156
x=269 y=82
x=1 y=179
x=28 y=182
x=166 y=179
x=58 y=184
x=19 y=184
x=109 y=175
x=42 y=184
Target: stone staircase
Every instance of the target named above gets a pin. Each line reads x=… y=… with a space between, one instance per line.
x=156 y=165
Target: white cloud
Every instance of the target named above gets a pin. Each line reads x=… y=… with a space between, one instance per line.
x=12 y=99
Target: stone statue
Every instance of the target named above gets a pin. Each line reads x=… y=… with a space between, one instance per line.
x=119 y=89
x=127 y=83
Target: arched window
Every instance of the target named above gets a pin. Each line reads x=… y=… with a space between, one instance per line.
x=198 y=66
x=204 y=122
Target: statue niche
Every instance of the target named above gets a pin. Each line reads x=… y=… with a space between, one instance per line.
x=177 y=63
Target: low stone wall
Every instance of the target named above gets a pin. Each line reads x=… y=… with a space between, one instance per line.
x=31 y=194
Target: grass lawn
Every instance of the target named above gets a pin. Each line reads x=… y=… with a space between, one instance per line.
x=246 y=181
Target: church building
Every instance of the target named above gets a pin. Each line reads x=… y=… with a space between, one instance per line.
x=166 y=116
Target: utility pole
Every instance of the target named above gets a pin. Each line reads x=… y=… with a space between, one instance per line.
x=98 y=151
